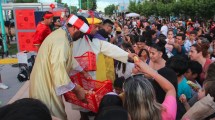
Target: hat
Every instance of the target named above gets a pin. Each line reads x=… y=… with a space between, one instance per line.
x=79 y=24
x=94 y=21
x=118 y=29
x=48 y=15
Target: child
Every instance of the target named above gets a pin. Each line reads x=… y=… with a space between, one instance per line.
x=193 y=74
x=118 y=83
x=180 y=65
x=110 y=99
x=191 y=41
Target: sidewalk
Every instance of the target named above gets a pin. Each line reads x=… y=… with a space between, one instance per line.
x=19 y=90
x=9 y=74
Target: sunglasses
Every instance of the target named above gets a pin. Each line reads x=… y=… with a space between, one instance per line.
x=58 y=20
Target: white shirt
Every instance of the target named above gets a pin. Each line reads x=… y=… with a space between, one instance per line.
x=128 y=70
x=164 y=30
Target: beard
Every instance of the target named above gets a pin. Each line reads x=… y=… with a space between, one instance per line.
x=77 y=35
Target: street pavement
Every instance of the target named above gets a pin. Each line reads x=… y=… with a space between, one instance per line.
x=9 y=77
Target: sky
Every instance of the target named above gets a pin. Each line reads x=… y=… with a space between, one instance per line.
x=101 y=4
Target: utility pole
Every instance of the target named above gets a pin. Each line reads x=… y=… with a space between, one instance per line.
x=4 y=38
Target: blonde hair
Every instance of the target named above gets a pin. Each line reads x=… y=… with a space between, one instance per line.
x=140 y=99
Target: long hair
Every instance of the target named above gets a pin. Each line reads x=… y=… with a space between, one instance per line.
x=125 y=46
x=140 y=99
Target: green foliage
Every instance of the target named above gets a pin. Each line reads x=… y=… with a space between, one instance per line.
x=109 y=9
x=92 y=4
x=25 y=1
x=163 y=8
x=73 y=9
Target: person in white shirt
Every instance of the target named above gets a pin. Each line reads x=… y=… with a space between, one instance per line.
x=164 y=28
x=192 y=40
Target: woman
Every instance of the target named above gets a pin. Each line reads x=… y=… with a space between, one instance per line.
x=158 y=55
x=144 y=55
x=199 y=53
x=140 y=96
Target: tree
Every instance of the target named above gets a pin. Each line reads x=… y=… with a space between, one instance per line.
x=92 y=4
x=65 y=5
x=73 y=9
x=164 y=8
x=109 y=9
x=25 y=1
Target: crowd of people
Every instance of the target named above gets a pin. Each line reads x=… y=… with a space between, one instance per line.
x=160 y=69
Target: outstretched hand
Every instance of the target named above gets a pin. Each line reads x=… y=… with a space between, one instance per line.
x=80 y=93
x=143 y=67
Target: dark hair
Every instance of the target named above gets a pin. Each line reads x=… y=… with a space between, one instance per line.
x=178 y=63
x=112 y=113
x=140 y=52
x=152 y=32
x=182 y=35
x=193 y=32
x=209 y=87
x=202 y=47
x=181 y=28
x=148 y=37
x=110 y=100
x=170 y=75
x=141 y=39
x=25 y=109
x=118 y=32
x=108 y=21
x=160 y=46
x=196 y=68
x=119 y=82
x=155 y=24
x=55 y=18
x=126 y=46
x=210 y=72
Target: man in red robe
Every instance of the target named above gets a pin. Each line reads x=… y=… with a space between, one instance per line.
x=43 y=29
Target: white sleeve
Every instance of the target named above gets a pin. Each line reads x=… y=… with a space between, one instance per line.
x=113 y=51
x=65 y=88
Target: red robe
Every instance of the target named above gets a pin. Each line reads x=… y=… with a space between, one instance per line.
x=41 y=33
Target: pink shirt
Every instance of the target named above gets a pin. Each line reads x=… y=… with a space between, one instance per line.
x=170 y=108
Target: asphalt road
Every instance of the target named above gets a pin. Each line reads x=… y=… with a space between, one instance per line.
x=9 y=77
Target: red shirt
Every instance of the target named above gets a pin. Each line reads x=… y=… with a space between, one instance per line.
x=41 y=33
x=204 y=70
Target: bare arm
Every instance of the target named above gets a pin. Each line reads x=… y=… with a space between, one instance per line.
x=163 y=82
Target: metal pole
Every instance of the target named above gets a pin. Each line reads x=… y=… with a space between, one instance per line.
x=88 y=7
x=4 y=38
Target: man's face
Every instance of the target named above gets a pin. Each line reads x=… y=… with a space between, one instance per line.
x=76 y=34
x=94 y=29
x=179 y=40
x=153 y=27
x=192 y=36
x=48 y=21
x=57 y=23
x=108 y=28
x=188 y=75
